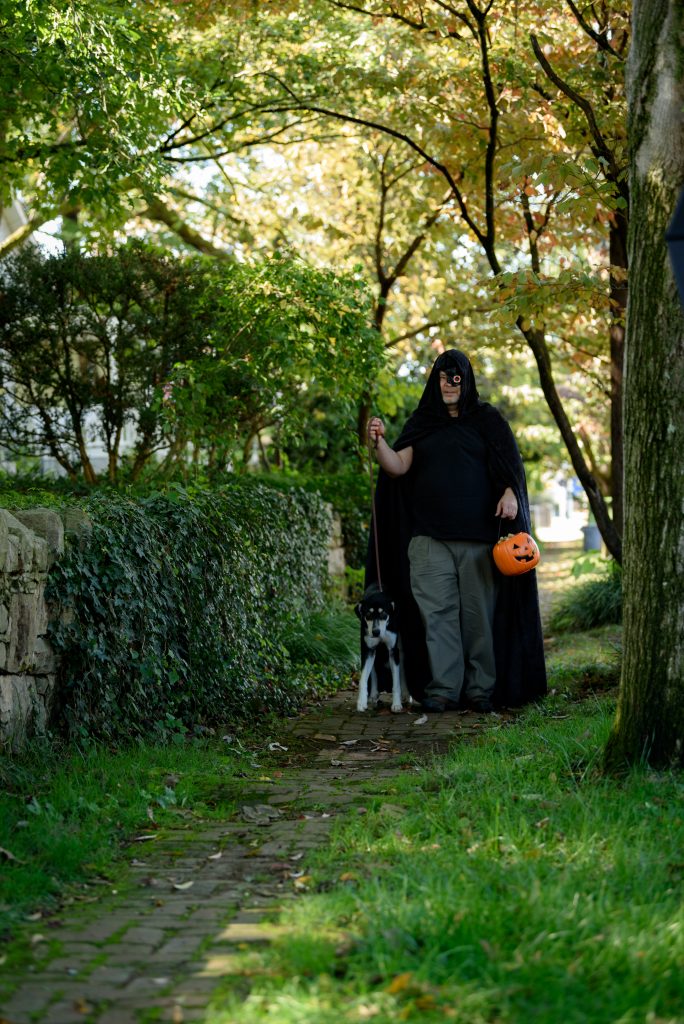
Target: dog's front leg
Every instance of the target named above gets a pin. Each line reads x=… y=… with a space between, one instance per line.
x=405 y=695
x=396 y=682
x=373 y=699
x=362 y=702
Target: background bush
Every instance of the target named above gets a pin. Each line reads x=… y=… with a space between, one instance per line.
x=178 y=610
x=349 y=494
x=596 y=601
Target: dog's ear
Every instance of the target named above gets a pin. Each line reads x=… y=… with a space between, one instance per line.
x=357 y=609
x=393 y=606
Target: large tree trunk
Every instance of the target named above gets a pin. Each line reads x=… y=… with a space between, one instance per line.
x=650 y=716
x=618 y=309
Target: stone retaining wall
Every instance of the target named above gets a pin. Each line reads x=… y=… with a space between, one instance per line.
x=30 y=541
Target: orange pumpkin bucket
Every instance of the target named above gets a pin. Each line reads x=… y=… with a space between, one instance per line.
x=515 y=554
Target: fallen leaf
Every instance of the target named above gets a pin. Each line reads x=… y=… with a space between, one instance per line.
x=348 y=743
x=82 y=1006
x=276 y=746
x=335 y=763
x=349 y=876
x=7 y=855
x=324 y=736
x=215 y=856
x=181 y=886
x=426 y=1002
x=400 y=983
x=144 y=839
x=542 y=823
x=303 y=882
x=36 y=939
x=421 y=721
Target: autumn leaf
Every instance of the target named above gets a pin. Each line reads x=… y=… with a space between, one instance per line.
x=400 y=983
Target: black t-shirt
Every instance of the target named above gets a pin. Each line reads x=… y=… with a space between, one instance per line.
x=453 y=495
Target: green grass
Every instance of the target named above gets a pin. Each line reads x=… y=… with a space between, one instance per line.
x=591 y=602
x=507 y=881
x=64 y=813
x=328 y=636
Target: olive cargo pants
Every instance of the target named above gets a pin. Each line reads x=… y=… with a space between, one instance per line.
x=454 y=584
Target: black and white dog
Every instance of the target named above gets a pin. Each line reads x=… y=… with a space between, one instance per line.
x=379 y=648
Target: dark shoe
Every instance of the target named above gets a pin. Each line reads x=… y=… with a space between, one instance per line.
x=483 y=705
x=438 y=704
x=433 y=704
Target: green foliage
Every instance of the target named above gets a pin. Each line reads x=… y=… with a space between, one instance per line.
x=87 y=343
x=277 y=332
x=87 y=85
x=330 y=636
x=188 y=351
x=63 y=810
x=174 y=612
x=595 y=601
x=516 y=884
x=349 y=494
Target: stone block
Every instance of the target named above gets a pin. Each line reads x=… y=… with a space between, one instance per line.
x=3 y=657
x=4 y=543
x=22 y=544
x=77 y=527
x=22 y=712
x=46 y=523
x=26 y=618
x=43 y=659
x=4 y=620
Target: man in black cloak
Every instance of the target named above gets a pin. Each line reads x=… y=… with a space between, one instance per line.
x=470 y=636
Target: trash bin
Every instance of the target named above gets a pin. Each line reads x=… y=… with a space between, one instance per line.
x=592 y=537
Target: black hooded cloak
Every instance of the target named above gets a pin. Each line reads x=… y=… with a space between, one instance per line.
x=518 y=642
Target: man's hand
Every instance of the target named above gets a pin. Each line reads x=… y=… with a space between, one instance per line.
x=394 y=463
x=376 y=429
x=508 y=505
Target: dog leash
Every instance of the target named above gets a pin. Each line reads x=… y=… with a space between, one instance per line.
x=373 y=514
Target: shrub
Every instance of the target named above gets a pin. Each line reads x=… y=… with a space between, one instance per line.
x=349 y=494
x=326 y=636
x=174 y=613
x=594 y=602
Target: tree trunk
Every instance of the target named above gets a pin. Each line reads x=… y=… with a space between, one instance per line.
x=537 y=341
x=618 y=310
x=649 y=724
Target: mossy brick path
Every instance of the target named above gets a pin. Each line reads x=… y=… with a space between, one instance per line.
x=160 y=944
x=157 y=947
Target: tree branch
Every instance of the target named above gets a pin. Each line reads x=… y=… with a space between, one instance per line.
x=418 y=330
x=600 y=147
x=600 y=38
x=418 y=26
x=386 y=130
x=157 y=210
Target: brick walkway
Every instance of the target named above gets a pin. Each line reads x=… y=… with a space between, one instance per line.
x=164 y=940
x=156 y=949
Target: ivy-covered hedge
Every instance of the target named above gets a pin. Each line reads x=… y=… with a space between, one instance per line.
x=349 y=494
x=177 y=612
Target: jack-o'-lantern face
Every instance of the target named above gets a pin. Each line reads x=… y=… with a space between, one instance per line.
x=515 y=554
